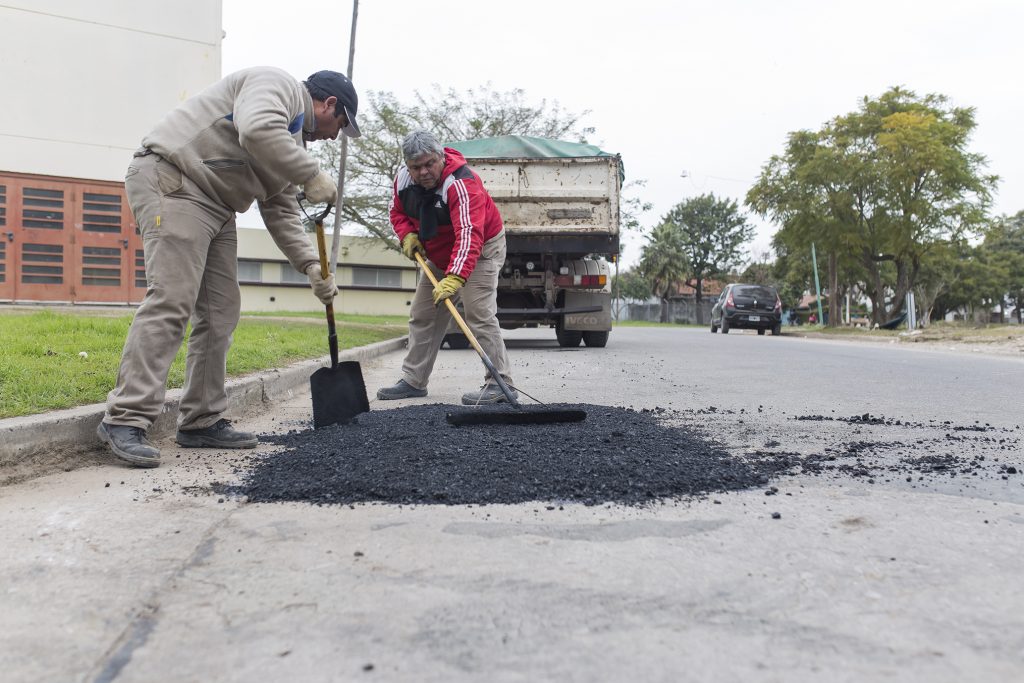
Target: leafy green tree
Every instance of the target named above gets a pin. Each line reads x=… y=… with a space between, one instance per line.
x=663 y=263
x=1004 y=249
x=631 y=284
x=978 y=285
x=882 y=185
x=375 y=157
x=939 y=272
x=710 y=234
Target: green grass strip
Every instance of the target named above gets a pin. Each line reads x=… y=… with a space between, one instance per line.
x=41 y=367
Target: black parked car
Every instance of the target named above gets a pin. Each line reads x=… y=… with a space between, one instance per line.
x=755 y=307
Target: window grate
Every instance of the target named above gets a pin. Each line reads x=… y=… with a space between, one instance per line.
x=103 y=212
x=32 y=253
x=109 y=272
x=3 y=207
x=42 y=208
x=140 y=268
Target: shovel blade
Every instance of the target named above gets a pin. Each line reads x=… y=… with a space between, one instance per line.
x=339 y=394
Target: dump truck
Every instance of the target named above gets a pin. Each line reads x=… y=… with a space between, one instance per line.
x=559 y=202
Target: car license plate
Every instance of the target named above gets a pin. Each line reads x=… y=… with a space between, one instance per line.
x=754 y=318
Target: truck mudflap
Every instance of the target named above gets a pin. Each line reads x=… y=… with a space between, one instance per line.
x=589 y=320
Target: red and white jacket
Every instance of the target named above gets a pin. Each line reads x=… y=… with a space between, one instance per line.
x=466 y=215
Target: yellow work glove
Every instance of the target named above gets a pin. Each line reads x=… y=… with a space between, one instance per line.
x=320 y=189
x=447 y=287
x=323 y=287
x=411 y=244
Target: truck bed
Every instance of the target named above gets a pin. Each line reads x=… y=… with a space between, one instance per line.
x=549 y=202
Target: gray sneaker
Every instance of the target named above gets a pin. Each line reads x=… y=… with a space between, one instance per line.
x=489 y=393
x=400 y=390
x=218 y=435
x=129 y=444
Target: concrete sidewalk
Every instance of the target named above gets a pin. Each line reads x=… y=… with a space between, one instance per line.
x=35 y=445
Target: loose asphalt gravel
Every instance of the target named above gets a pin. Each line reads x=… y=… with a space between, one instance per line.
x=410 y=455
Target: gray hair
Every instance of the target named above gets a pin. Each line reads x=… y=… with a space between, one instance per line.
x=420 y=142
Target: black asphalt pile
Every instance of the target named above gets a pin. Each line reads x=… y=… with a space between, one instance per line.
x=410 y=455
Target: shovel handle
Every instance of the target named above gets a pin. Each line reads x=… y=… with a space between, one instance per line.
x=332 y=334
x=470 y=336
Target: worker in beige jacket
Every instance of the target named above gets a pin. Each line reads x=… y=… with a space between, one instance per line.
x=239 y=140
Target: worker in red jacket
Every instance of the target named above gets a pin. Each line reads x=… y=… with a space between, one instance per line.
x=441 y=210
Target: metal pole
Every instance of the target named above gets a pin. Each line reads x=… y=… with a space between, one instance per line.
x=817 y=286
x=336 y=233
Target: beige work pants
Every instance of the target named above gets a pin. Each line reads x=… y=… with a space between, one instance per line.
x=428 y=323
x=190 y=246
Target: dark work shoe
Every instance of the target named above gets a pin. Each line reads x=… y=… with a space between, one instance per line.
x=400 y=390
x=129 y=444
x=489 y=393
x=218 y=435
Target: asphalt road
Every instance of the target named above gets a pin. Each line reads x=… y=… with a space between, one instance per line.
x=139 y=575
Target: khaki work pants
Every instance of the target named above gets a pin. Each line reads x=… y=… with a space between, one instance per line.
x=190 y=246
x=428 y=323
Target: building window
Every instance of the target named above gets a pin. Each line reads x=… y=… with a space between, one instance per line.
x=250 y=271
x=291 y=276
x=376 y=277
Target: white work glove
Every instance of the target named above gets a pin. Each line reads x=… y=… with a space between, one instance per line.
x=321 y=189
x=323 y=288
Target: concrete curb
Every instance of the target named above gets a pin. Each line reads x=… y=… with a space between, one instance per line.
x=35 y=445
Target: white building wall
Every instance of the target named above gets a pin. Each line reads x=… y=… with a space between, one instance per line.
x=271 y=294
x=83 y=82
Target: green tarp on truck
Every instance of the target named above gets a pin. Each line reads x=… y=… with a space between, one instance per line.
x=526 y=147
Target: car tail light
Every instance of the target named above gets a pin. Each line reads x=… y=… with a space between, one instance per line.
x=729 y=302
x=581 y=280
x=778 y=304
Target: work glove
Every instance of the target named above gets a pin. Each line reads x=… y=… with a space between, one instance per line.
x=321 y=189
x=411 y=244
x=447 y=287
x=323 y=288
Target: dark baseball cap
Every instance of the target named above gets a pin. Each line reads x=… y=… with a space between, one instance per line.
x=339 y=85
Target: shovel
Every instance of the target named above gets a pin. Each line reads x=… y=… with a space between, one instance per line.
x=339 y=392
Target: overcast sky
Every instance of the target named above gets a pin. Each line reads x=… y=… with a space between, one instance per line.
x=705 y=89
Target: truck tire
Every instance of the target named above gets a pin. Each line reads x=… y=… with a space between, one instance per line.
x=725 y=325
x=776 y=329
x=456 y=341
x=569 y=339
x=597 y=340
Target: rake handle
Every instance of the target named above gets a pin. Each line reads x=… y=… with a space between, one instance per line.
x=470 y=336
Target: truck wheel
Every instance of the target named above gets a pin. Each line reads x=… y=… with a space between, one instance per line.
x=776 y=329
x=456 y=341
x=567 y=338
x=597 y=340
x=725 y=326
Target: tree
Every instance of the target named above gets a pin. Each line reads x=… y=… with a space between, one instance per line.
x=631 y=284
x=663 y=263
x=711 y=235
x=1004 y=249
x=882 y=185
x=375 y=157
x=938 y=273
